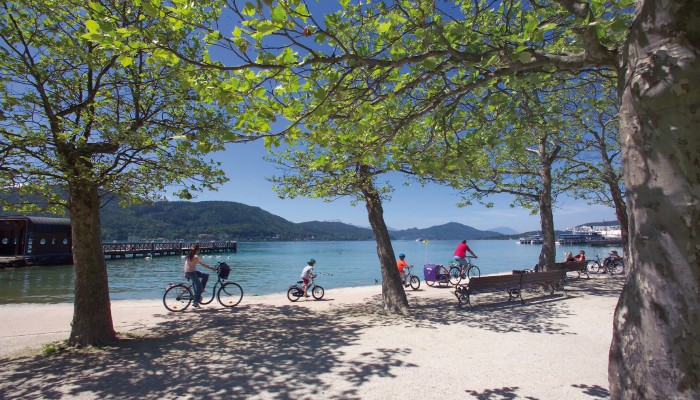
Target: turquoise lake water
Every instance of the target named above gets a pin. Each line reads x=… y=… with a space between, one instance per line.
x=270 y=267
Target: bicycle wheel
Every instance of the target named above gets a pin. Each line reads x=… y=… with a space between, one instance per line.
x=455 y=275
x=177 y=298
x=230 y=294
x=473 y=271
x=318 y=292
x=462 y=295
x=209 y=297
x=294 y=293
x=619 y=267
x=443 y=276
x=593 y=266
x=414 y=282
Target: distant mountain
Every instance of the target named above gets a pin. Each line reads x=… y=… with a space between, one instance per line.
x=504 y=230
x=338 y=230
x=225 y=220
x=214 y=220
x=449 y=231
x=613 y=222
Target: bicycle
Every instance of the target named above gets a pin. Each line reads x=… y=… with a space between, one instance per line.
x=296 y=291
x=179 y=296
x=413 y=280
x=596 y=266
x=459 y=272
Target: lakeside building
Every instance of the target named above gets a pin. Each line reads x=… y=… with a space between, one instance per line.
x=35 y=240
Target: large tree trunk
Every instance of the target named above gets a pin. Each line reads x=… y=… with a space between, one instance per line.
x=92 y=314
x=393 y=293
x=548 y=251
x=621 y=214
x=611 y=180
x=655 y=352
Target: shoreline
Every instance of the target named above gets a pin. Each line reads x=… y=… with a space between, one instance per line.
x=341 y=347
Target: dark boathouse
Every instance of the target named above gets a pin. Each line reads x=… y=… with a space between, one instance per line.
x=35 y=240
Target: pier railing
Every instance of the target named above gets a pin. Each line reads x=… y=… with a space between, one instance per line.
x=153 y=249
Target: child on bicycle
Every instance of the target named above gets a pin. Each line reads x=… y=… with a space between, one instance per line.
x=401 y=264
x=307 y=273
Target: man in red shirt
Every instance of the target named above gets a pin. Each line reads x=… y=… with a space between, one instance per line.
x=461 y=253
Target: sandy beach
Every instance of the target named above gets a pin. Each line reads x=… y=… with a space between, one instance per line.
x=342 y=347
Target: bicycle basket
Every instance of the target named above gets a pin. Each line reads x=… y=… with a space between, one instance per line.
x=224 y=270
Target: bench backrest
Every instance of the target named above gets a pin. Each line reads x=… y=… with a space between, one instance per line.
x=495 y=282
x=542 y=277
x=570 y=266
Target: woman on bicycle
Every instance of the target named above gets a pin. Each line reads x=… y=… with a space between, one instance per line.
x=192 y=274
x=461 y=253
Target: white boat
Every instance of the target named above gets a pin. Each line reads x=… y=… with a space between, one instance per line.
x=535 y=239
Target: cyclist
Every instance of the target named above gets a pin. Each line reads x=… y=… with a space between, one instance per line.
x=461 y=253
x=401 y=264
x=306 y=273
x=191 y=273
x=611 y=259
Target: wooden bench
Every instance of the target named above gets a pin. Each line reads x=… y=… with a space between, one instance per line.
x=581 y=268
x=512 y=284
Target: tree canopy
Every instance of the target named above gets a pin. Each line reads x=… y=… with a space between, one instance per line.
x=82 y=122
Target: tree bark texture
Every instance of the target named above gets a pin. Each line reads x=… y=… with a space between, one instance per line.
x=92 y=313
x=548 y=250
x=655 y=351
x=621 y=214
x=393 y=293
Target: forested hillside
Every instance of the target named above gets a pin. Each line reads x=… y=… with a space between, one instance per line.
x=214 y=220
x=226 y=220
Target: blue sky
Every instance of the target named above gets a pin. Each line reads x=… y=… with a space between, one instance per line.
x=409 y=207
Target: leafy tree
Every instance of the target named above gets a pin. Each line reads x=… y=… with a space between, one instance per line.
x=601 y=151
x=523 y=143
x=348 y=165
x=427 y=55
x=93 y=123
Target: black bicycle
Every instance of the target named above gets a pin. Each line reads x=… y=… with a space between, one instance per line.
x=612 y=267
x=179 y=296
x=296 y=292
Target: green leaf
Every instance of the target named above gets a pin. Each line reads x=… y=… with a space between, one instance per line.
x=384 y=27
x=249 y=9
x=125 y=60
x=279 y=14
x=92 y=26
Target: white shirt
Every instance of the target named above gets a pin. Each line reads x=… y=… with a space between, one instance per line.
x=307 y=270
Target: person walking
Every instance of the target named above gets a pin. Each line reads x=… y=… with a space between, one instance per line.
x=192 y=274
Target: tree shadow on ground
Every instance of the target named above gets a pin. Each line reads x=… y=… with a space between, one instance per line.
x=212 y=353
x=272 y=352
x=511 y=392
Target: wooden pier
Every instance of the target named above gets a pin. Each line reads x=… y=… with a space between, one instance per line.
x=153 y=249
x=121 y=250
